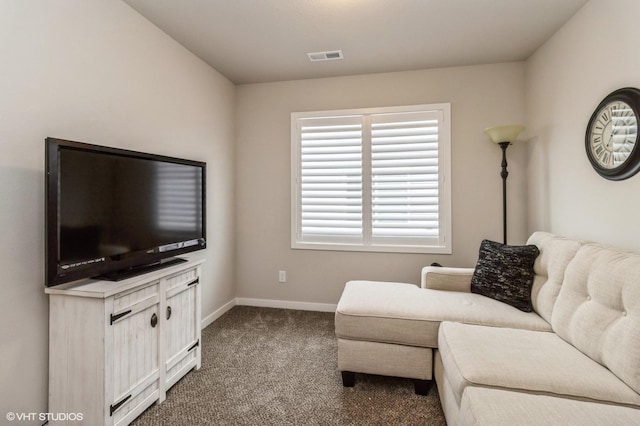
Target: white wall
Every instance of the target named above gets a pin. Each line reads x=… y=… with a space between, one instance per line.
x=94 y=71
x=480 y=96
x=595 y=53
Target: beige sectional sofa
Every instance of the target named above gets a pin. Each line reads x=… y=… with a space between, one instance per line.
x=574 y=360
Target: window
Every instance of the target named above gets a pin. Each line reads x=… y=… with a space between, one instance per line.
x=372 y=179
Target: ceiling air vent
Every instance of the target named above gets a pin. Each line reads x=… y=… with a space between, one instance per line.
x=325 y=56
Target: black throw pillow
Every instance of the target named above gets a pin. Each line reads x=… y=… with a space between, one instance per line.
x=505 y=273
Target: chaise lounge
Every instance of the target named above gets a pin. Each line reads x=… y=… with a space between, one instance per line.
x=574 y=359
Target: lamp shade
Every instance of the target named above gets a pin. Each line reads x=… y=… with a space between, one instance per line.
x=508 y=133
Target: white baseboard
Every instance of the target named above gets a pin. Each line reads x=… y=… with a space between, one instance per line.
x=286 y=304
x=209 y=319
x=267 y=303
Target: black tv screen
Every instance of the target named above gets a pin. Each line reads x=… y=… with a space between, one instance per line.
x=113 y=212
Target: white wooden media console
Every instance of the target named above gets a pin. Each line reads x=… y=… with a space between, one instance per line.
x=116 y=347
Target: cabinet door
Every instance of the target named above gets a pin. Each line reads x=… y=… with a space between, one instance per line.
x=182 y=325
x=135 y=376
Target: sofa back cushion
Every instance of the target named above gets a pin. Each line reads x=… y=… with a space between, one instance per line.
x=555 y=254
x=598 y=309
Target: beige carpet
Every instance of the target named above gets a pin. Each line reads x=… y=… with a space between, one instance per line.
x=263 y=366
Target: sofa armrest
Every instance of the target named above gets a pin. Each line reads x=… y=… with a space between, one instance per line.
x=443 y=278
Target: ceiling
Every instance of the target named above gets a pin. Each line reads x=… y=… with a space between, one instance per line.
x=253 y=41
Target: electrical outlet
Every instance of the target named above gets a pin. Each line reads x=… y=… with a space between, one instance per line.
x=282 y=276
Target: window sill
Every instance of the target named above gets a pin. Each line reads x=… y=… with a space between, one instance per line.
x=372 y=248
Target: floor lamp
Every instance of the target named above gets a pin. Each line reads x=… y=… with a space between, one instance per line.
x=504 y=136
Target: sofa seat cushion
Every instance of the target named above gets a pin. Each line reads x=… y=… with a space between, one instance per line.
x=524 y=360
x=494 y=407
x=409 y=315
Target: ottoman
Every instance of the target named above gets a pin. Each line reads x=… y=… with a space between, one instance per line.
x=391 y=329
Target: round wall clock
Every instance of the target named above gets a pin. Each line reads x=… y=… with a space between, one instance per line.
x=612 y=135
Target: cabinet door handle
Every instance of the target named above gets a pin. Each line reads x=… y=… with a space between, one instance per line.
x=114 y=407
x=168 y=312
x=195 y=345
x=154 y=320
x=116 y=317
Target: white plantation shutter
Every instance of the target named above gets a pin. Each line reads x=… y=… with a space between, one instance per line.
x=405 y=178
x=177 y=198
x=330 y=179
x=372 y=180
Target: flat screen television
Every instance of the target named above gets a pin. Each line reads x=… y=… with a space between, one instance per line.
x=112 y=213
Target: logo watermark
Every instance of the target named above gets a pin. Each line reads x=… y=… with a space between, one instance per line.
x=56 y=417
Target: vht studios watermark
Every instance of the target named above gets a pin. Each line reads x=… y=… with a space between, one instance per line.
x=55 y=417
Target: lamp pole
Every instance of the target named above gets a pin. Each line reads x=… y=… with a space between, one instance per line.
x=504 y=173
x=504 y=136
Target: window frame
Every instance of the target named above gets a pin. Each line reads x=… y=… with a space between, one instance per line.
x=444 y=244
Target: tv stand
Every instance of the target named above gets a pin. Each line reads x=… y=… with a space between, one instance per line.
x=115 y=348
x=140 y=270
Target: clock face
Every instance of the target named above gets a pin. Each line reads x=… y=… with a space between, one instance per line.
x=611 y=140
x=613 y=134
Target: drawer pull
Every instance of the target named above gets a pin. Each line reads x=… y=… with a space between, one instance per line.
x=196 y=281
x=116 y=317
x=114 y=407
